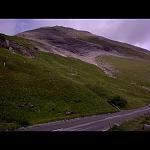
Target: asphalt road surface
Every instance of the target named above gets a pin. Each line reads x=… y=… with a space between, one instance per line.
x=91 y=123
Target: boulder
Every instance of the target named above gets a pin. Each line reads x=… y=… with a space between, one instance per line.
x=69 y=112
x=116 y=124
x=7 y=43
x=10 y=48
x=26 y=105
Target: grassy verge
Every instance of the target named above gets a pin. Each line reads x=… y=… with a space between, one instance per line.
x=133 y=125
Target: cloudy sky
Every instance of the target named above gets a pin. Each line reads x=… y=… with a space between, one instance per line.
x=133 y=31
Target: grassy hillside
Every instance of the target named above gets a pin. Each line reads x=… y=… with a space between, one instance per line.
x=131 y=70
x=50 y=87
x=46 y=88
x=133 y=76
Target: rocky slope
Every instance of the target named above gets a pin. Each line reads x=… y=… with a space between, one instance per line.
x=82 y=45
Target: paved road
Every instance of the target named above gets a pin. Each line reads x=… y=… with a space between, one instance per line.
x=90 y=123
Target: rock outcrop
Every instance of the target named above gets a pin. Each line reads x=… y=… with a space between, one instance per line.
x=17 y=47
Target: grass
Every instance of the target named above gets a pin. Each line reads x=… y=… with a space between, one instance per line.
x=133 y=125
x=44 y=88
x=47 y=83
x=130 y=70
x=131 y=77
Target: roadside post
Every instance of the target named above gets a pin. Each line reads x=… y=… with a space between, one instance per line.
x=109 y=123
x=4 y=63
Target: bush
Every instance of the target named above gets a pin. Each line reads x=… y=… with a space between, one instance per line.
x=77 y=100
x=118 y=101
x=146 y=120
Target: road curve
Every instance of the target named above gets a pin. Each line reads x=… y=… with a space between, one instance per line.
x=91 y=123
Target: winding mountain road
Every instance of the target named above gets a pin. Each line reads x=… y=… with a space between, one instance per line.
x=91 y=123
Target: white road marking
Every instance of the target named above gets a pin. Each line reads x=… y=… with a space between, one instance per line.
x=58 y=129
x=90 y=123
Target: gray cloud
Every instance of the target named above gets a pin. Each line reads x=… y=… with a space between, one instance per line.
x=7 y=26
x=133 y=31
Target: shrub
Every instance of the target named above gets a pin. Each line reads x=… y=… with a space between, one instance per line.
x=146 y=120
x=118 y=101
x=77 y=100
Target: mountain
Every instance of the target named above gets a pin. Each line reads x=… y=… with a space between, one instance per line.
x=54 y=73
x=83 y=45
x=71 y=41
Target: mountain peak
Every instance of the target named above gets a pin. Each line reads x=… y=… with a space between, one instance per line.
x=72 y=41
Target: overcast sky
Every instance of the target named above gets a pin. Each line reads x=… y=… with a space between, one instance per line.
x=133 y=31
